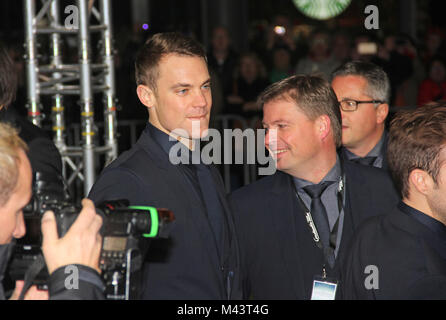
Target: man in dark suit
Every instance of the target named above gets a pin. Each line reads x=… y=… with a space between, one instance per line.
x=201 y=258
x=402 y=255
x=363 y=91
x=296 y=224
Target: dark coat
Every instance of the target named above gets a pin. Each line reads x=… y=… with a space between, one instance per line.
x=43 y=154
x=187 y=265
x=410 y=260
x=280 y=257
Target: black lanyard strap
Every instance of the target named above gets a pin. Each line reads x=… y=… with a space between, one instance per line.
x=309 y=217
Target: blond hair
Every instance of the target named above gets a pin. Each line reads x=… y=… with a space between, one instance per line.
x=10 y=144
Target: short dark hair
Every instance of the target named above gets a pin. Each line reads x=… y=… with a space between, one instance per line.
x=416 y=139
x=158 y=46
x=378 y=84
x=312 y=94
x=8 y=78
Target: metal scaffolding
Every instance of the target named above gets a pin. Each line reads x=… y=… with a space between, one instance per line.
x=82 y=79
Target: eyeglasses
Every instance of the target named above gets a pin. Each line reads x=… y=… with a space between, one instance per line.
x=352 y=105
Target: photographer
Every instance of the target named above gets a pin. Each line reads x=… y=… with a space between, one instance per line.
x=79 y=249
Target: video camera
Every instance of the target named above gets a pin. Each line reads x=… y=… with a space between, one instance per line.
x=126 y=232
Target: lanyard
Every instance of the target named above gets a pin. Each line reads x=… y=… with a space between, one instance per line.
x=309 y=217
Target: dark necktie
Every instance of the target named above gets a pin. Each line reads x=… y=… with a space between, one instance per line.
x=320 y=217
x=211 y=201
x=367 y=161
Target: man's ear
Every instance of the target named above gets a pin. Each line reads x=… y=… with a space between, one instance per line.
x=145 y=95
x=323 y=126
x=421 y=181
x=381 y=113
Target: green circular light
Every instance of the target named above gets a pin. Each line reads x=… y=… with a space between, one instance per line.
x=154 y=220
x=321 y=9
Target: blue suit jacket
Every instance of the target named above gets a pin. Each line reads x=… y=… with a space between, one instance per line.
x=187 y=265
x=280 y=257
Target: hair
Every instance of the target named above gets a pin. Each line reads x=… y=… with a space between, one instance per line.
x=378 y=84
x=157 y=47
x=8 y=78
x=416 y=139
x=312 y=94
x=10 y=144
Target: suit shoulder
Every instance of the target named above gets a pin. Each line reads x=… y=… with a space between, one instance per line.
x=253 y=190
x=378 y=232
x=366 y=171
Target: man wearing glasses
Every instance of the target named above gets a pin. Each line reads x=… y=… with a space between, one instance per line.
x=363 y=92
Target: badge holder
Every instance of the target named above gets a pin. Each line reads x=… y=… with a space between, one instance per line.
x=324 y=288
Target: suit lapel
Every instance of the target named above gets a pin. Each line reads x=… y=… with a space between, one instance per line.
x=185 y=195
x=357 y=198
x=283 y=210
x=229 y=223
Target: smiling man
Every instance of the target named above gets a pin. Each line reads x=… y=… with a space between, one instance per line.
x=200 y=260
x=295 y=225
x=363 y=91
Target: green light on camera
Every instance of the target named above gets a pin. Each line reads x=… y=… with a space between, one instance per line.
x=154 y=220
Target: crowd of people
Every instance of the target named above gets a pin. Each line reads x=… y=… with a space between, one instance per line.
x=416 y=71
x=349 y=194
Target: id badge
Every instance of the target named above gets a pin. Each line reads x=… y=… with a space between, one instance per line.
x=324 y=288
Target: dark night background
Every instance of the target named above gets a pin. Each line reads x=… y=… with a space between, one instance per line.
x=415 y=30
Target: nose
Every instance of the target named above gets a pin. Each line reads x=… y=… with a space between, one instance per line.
x=271 y=138
x=202 y=99
x=20 y=228
x=342 y=114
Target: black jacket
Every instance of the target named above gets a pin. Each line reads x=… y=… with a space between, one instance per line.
x=410 y=259
x=280 y=255
x=187 y=265
x=43 y=154
x=89 y=286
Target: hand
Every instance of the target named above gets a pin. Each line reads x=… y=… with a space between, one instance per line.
x=80 y=245
x=32 y=294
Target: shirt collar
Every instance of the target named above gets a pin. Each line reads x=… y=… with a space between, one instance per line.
x=433 y=224
x=332 y=176
x=166 y=142
x=377 y=150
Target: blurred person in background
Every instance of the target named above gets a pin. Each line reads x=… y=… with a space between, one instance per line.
x=281 y=67
x=318 y=59
x=249 y=82
x=222 y=58
x=433 y=88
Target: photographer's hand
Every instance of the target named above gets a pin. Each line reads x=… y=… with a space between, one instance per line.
x=32 y=294
x=80 y=245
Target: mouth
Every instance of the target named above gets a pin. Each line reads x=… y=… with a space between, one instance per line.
x=197 y=117
x=278 y=153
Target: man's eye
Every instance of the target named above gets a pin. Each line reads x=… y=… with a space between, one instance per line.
x=207 y=86
x=182 y=91
x=351 y=103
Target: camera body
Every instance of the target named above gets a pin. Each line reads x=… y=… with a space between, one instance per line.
x=126 y=233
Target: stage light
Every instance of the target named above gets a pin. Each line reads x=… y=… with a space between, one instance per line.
x=321 y=9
